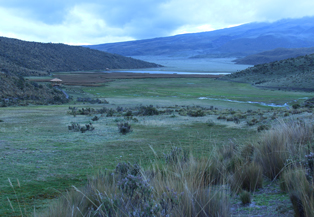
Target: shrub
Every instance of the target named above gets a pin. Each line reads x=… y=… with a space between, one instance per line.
x=296 y=106
x=197 y=113
x=210 y=123
x=95 y=118
x=124 y=128
x=262 y=127
x=110 y=113
x=245 y=197
x=148 y=110
x=128 y=114
x=75 y=127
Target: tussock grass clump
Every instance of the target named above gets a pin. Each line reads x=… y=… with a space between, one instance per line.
x=248 y=177
x=301 y=192
x=163 y=190
x=176 y=155
x=286 y=140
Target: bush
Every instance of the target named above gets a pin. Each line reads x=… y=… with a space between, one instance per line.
x=245 y=197
x=124 y=128
x=148 y=110
x=75 y=127
x=95 y=118
x=197 y=113
x=296 y=106
x=262 y=127
x=210 y=123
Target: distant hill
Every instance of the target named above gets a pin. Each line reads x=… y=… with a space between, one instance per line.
x=274 y=55
x=237 y=41
x=293 y=73
x=32 y=58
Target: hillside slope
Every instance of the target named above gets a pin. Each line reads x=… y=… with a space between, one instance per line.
x=237 y=41
x=32 y=58
x=294 y=73
x=274 y=55
x=17 y=91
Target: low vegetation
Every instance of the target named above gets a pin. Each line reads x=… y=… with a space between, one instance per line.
x=187 y=186
x=161 y=159
x=288 y=74
x=18 y=91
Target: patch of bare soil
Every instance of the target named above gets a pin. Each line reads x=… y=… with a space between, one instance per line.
x=96 y=79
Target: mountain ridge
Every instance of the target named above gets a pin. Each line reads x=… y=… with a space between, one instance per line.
x=236 y=41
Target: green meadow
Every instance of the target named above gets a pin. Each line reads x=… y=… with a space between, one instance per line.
x=43 y=159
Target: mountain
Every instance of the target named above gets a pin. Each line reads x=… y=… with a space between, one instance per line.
x=237 y=41
x=274 y=55
x=32 y=58
x=293 y=73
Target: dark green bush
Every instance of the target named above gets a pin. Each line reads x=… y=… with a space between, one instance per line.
x=196 y=113
x=124 y=128
x=296 y=106
x=245 y=197
x=148 y=110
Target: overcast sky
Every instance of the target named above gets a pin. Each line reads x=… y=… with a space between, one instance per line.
x=79 y=22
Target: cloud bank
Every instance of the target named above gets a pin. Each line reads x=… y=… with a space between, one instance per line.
x=104 y=21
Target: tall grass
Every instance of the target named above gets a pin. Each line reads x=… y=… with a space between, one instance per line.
x=182 y=185
x=172 y=189
x=289 y=140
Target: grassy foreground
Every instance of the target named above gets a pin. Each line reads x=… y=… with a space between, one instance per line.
x=46 y=158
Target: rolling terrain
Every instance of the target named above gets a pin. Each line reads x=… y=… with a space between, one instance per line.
x=21 y=58
x=32 y=58
x=237 y=41
x=292 y=73
x=274 y=55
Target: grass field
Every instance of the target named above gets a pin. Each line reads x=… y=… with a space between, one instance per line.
x=38 y=149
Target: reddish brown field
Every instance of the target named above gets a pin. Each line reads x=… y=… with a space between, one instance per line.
x=96 y=79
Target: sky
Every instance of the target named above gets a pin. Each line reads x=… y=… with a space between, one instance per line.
x=86 y=22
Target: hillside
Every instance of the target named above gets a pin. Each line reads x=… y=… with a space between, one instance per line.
x=294 y=73
x=17 y=91
x=32 y=58
x=237 y=41
x=274 y=55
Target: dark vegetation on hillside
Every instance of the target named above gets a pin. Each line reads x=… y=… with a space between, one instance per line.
x=274 y=55
x=237 y=41
x=20 y=58
x=18 y=91
x=32 y=58
x=294 y=73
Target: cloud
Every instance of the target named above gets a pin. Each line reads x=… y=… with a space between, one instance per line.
x=103 y=21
